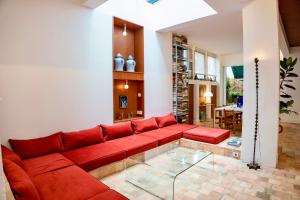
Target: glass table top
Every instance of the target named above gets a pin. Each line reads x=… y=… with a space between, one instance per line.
x=156 y=170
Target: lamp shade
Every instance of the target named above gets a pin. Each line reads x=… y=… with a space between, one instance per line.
x=126 y=86
x=208 y=94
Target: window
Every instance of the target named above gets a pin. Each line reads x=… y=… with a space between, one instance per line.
x=152 y=1
x=199 y=63
x=212 y=65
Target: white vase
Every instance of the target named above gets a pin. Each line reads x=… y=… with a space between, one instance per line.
x=119 y=62
x=130 y=64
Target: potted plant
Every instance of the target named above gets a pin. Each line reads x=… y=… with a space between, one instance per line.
x=287 y=66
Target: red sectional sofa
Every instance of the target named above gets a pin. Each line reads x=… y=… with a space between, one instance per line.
x=208 y=135
x=55 y=167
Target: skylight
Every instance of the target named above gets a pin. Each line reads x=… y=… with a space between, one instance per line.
x=157 y=14
x=152 y=1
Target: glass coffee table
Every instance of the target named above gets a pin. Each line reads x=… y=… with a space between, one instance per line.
x=155 y=171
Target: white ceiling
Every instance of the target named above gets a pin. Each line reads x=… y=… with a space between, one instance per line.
x=159 y=16
x=221 y=33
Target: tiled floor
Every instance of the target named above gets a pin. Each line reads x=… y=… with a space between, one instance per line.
x=289 y=147
x=230 y=178
x=227 y=179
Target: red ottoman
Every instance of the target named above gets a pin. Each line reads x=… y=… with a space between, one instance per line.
x=208 y=135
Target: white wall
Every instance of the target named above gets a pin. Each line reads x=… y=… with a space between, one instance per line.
x=158 y=73
x=260 y=33
x=56 y=68
x=294 y=53
x=2 y=186
x=233 y=59
x=283 y=43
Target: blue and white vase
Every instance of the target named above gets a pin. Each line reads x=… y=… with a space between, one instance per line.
x=119 y=62
x=130 y=64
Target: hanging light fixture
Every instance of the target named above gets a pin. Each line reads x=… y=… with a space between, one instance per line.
x=126 y=86
x=125 y=30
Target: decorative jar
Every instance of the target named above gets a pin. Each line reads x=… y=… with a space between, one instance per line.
x=130 y=64
x=119 y=62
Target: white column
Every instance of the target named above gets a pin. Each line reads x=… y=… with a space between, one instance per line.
x=208 y=102
x=260 y=39
x=196 y=104
x=93 y=3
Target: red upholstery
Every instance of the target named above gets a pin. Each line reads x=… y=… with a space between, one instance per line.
x=43 y=164
x=166 y=120
x=208 y=135
x=70 y=183
x=109 y=195
x=163 y=135
x=86 y=137
x=117 y=130
x=94 y=156
x=144 y=125
x=180 y=127
x=55 y=177
x=134 y=144
x=37 y=147
x=20 y=183
x=10 y=155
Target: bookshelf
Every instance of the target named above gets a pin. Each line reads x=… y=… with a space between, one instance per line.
x=182 y=69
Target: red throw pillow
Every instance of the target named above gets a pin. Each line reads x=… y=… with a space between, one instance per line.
x=86 y=137
x=37 y=147
x=20 y=183
x=144 y=125
x=166 y=120
x=117 y=130
x=12 y=156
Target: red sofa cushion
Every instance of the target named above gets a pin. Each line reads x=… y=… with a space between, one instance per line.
x=109 y=195
x=10 y=155
x=20 y=183
x=94 y=156
x=166 y=120
x=46 y=163
x=117 y=130
x=134 y=144
x=208 y=135
x=37 y=147
x=69 y=183
x=144 y=125
x=180 y=127
x=72 y=140
x=163 y=135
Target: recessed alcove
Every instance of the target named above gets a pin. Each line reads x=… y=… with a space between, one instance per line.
x=131 y=44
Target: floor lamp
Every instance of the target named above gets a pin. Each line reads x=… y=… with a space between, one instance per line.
x=254 y=164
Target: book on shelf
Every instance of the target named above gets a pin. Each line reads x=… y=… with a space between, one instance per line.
x=236 y=141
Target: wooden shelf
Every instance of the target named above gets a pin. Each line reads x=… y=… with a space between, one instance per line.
x=132 y=44
x=127 y=119
x=123 y=75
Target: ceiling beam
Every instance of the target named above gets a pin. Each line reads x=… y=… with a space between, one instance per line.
x=93 y=3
